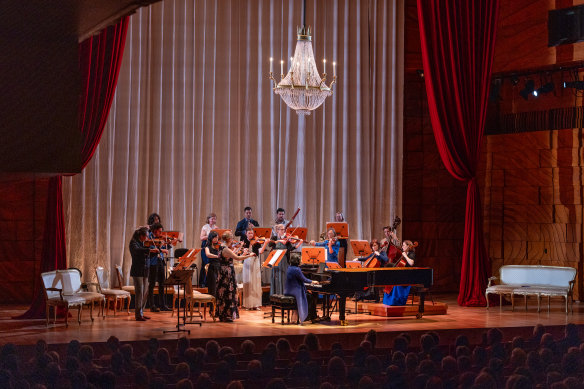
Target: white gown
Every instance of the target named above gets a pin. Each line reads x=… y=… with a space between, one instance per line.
x=252 y=283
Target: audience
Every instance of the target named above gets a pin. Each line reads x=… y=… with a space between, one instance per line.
x=540 y=362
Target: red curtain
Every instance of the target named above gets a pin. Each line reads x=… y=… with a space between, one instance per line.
x=100 y=58
x=458 y=42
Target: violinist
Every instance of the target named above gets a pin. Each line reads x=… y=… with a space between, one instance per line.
x=244 y=223
x=399 y=294
x=252 y=279
x=282 y=241
x=212 y=253
x=157 y=269
x=226 y=294
x=332 y=244
x=207 y=228
x=139 y=270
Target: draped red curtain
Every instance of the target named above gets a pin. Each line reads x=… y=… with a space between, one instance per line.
x=100 y=57
x=458 y=42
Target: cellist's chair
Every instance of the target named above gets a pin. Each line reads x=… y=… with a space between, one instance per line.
x=113 y=295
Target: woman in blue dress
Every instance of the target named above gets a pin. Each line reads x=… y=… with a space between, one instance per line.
x=399 y=294
x=332 y=244
x=295 y=281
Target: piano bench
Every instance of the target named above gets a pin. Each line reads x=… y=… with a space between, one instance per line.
x=284 y=304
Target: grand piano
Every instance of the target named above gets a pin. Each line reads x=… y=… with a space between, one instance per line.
x=345 y=282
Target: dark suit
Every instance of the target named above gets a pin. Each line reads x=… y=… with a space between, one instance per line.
x=139 y=259
x=242 y=226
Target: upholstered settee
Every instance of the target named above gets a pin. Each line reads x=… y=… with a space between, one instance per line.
x=533 y=280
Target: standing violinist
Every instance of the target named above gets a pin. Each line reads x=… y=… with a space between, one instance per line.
x=332 y=244
x=245 y=222
x=157 y=269
x=399 y=294
x=207 y=228
x=281 y=241
x=212 y=254
x=252 y=278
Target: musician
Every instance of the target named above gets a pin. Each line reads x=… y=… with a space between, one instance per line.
x=381 y=256
x=281 y=241
x=390 y=237
x=212 y=253
x=139 y=270
x=156 y=271
x=372 y=293
x=332 y=244
x=295 y=281
x=153 y=218
x=245 y=222
x=252 y=278
x=280 y=219
x=211 y=225
x=226 y=308
x=399 y=294
x=344 y=243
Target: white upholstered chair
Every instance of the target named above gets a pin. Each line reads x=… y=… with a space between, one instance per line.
x=120 y=274
x=54 y=297
x=113 y=295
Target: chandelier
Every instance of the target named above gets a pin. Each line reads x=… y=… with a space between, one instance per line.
x=302 y=88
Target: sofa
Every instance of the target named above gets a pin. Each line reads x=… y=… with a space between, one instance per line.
x=533 y=280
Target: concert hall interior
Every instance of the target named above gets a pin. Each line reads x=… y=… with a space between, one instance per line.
x=457 y=125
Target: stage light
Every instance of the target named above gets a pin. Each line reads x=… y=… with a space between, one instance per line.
x=528 y=89
x=579 y=85
x=545 y=88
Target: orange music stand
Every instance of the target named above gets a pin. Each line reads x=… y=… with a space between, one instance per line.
x=187 y=259
x=333 y=265
x=341 y=228
x=353 y=264
x=274 y=258
x=313 y=255
x=263 y=232
x=361 y=248
x=221 y=231
x=173 y=235
x=300 y=232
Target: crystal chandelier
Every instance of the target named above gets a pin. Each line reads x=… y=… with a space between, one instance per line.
x=302 y=89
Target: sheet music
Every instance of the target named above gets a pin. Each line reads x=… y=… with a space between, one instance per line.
x=276 y=257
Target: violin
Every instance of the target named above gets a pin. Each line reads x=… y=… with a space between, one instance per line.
x=157 y=242
x=259 y=240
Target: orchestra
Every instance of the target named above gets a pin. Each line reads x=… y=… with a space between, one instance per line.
x=150 y=249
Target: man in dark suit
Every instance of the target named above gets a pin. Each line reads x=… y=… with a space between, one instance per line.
x=244 y=223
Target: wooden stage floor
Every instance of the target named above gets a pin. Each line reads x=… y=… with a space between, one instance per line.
x=253 y=325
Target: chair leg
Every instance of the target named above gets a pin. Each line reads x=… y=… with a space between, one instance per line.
x=173 y=304
x=47 y=312
x=273 y=313
x=128 y=304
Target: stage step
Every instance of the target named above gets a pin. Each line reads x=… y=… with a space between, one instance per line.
x=378 y=309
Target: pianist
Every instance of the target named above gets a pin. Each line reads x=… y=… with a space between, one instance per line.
x=295 y=281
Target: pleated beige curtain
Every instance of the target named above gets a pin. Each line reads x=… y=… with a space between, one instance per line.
x=196 y=128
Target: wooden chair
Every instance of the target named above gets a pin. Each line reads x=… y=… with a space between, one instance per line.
x=112 y=295
x=194 y=297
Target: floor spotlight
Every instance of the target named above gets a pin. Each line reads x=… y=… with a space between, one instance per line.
x=528 y=89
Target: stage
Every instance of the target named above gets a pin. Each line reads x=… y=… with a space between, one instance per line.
x=471 y=321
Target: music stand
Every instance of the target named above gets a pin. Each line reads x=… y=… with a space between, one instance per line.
x=361 y=248
x=313 y=255
x=341 y=228
x=333 y=265
x=354 y=264
x=221 y=231
x=301 y=232
x=180 y=277
x=274 y=258
x=263 y=232
x=173 y=235
x=187 y=259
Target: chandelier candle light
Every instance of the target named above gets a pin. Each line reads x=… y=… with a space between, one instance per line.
x=302 y=89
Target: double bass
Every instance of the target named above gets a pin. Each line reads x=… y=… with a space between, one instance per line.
x=393 y=248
